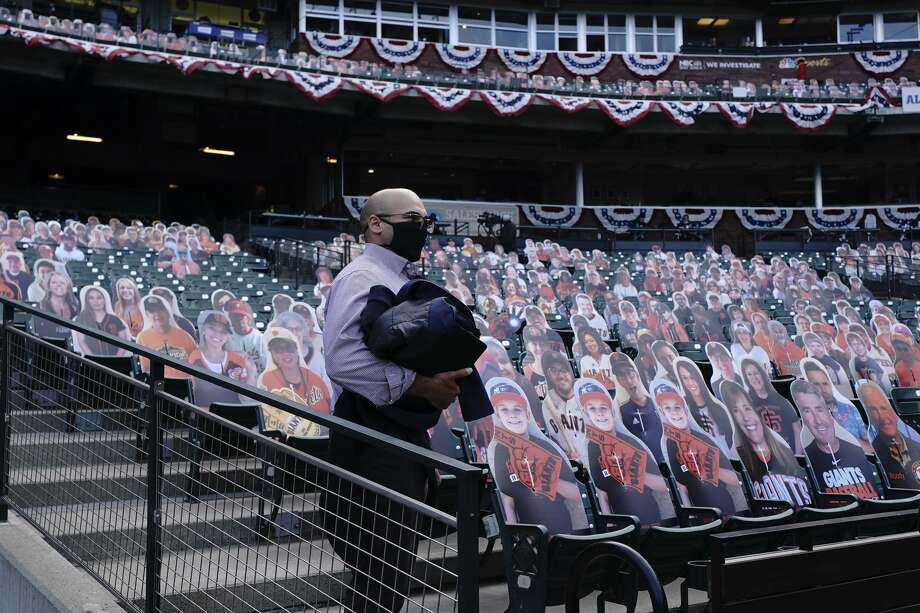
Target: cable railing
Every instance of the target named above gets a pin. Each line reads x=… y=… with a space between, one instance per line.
x=175 y=507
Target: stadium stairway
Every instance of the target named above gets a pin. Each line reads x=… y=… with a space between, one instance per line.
x=219 y=553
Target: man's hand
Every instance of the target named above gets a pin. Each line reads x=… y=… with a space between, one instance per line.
x=441 y=389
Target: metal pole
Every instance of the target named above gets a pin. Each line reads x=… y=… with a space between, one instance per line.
x=8 y=312
x=819 y=188
x=154 y=449
x=468 y=541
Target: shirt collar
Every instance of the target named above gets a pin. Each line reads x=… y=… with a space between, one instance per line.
x=386 y=258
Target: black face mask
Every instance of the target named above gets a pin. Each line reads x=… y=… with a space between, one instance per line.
x=408 y=239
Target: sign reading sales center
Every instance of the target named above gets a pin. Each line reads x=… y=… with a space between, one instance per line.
x=910 y=99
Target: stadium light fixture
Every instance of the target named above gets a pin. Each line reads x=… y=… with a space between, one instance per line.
x=83 y=139
x=331 y=160
x=786 y=21
x=370 y=171
x=55 y=176
x=722 y=21
x=213 y=151
x=173 y=186
x=705 y=21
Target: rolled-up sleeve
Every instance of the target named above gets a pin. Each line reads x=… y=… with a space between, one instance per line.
x=349 y=363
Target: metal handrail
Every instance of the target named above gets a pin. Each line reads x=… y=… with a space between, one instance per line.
x=366 y=435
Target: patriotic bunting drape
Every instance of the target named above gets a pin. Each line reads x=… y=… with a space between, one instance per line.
x=552 y=217
x=900 y=218
x=521 y=61
x=834 y=219
x=697 y=219
x=318 y=87
x=625 y=112
x=647 y=64
x=621 y=218
x=764 y=219
x=881 y=62
x=506 y=104
x=398 y=51
x=683 y=113
x=808 y=117
x=583 y=64
x=739 y=114
x=461 y=57
x=332 y=45
x=446 y=99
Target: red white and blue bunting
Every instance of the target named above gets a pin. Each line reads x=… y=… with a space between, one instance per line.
x=354 y=204
x=266 y=72
x=333 y=45
x=447 y=99
x=521 y=61
x=461 y=57
x=397 y=51
x=569 y=104
x=764 y=107
x=877 y=98
x=900 y=217
x=683 y=113
x=647 y=64
x=583 y=64
x=506 y=104
x=318 y=87
x=739 y=114
x=764 y=219
x=620 y=218
x=545 y=217
x=834 y=219
x=625 y=112
x=381 y=90
x=881 y=62
x=808 y=117
x=697 y=219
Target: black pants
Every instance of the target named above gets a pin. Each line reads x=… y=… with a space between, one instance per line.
x=376 y=536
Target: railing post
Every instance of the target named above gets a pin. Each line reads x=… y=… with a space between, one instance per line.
x=154 y=449
x=297 y=265
x=468 y=541
x=8 y=311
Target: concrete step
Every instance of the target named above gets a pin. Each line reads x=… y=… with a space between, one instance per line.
x=60 y=485
x=66 y=449
x=60 y=420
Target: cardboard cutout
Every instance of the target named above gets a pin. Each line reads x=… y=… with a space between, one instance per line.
x=213 y=354
x=834 y=456
x=635 y=405
x=162 y=333
x=128 y=305
x=59 y=300
x=775 y=411
x=532 y=475
x=287 y=375
x=707 y=412
x=771 y=465
x=703 y=472
x=96 y=312
x=896 y=445
x=622 y=467
x=561 y=413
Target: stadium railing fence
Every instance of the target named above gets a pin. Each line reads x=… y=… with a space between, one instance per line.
x=173 y=507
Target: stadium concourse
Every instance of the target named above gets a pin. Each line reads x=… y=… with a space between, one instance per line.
x=653 y=399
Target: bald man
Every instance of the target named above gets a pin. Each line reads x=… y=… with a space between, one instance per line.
x=395 y=225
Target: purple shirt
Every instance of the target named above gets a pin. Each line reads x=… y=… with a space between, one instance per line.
x=349 y=363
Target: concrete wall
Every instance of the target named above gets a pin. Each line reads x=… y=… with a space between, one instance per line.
x=34 y=578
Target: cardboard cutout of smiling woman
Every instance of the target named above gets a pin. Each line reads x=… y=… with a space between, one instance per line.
x=836 y=458
x=622 y=467
x=162 y=333
x=707 y=411
x=775 y=411
x=532 y=475
x=96 y=312
x=775 y=473
x=287 y=375
x=59 y=300
x=212 y=354
x=896 y=444
x=703 y=472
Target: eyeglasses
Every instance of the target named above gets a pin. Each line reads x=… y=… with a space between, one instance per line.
x=423 y=221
